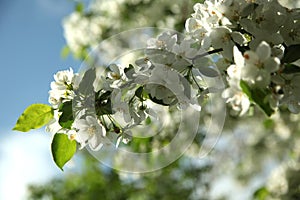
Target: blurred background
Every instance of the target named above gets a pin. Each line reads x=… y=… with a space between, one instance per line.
x=255 y=158
x=31 y=38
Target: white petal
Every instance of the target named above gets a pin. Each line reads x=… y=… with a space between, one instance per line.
x=272 y=64
x=95 y=142
x=263 y=51
x=245 y=104
x=238 y=57
x=91 y=120
x=119 y=141
x=251 y=58
x=82 y=136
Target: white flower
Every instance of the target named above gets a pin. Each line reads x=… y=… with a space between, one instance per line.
x=208 y=12
x=259 y=65
x=199 y=30
x=65 y=77
x=236 y=97
x=53 y=126
x=168 y=52
x=116 y=75
x=221 y=39
x=234 y=94
x=119 y=106
x=290 y=3
x=81 y=31
x=269 y=16
x=185 y=49
x=164 y=83
x=170 y=59
x=165 y=41
x=62 y=87
x=192 y=24
x=232 y=9
x=235 y=71
x=90 y=132
x=277 y=182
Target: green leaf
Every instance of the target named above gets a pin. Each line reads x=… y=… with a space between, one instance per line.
x=82 y=54
x=248 y=10
x=158 y=101
x=291 y=54
x=79 y=7
x=261 y=194
x=291 y=69
x=246 y=89
x=129 y=71
x=269 y=123
x=62 y=149
x=103 y=103
x=258 y=96
x=139 y=93
x=66 y=119
x=35 y=116
x=65 y=52
x=198 y=1
x=148 y=121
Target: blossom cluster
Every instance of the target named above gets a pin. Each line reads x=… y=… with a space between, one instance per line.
x=259 y=42
x=102 y=105
x=255 y=43
x=86 y=27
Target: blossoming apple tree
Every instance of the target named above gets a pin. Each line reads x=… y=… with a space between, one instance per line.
x=252 y=46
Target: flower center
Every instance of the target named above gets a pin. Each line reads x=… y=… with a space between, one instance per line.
x=91 y=130
x=72 y=136
x=115 y=76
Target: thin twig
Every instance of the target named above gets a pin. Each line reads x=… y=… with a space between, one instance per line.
x=205 y=54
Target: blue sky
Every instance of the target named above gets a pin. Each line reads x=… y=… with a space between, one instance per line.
x=31 y=38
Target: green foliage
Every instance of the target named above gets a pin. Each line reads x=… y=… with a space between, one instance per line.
x=291 y=69
x=269 y=124
x=198 y=1
x=81 y=54
x=261 y=194
x=66 y=119
x=158 y=101
x=129 y=71
x=65 y=52
x=62 y=149
x=293 y=177
x=291 y=54
x=257 y=96
x=103 y=103
x=141 y=94
x=79 y=7
x=94 y=182
x=34 y=117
